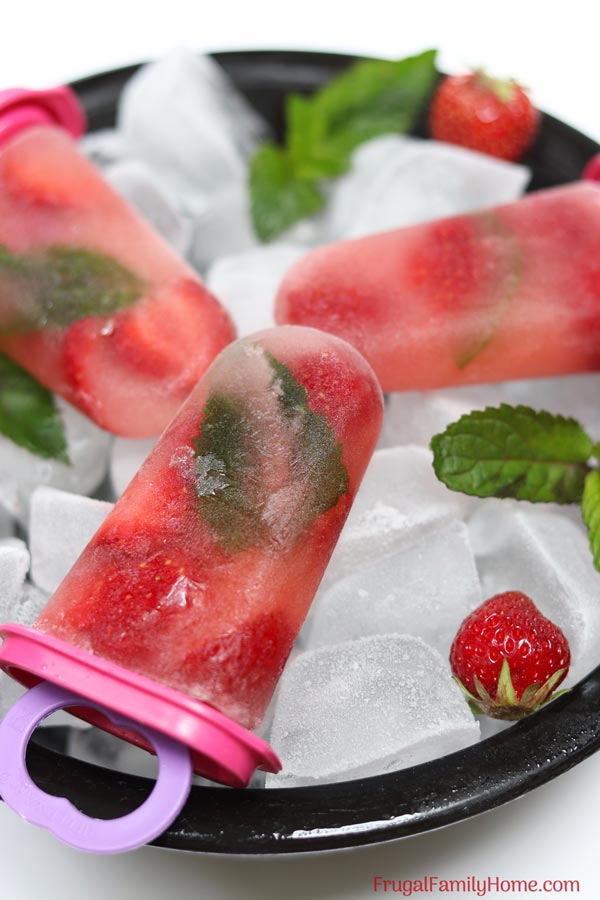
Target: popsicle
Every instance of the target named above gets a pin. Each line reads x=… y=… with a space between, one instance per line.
x=510 y=292
x=201 y=576
x=92 y=301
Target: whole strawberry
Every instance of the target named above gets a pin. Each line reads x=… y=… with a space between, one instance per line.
x=483 y=113
x=508 y=658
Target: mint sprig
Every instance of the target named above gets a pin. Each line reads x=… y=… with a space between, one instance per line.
x=514 y=451
x=28 y=416
x=279 y=197
x=518 y=452
x=58 y=285
x=590 y=507
x=371 y=98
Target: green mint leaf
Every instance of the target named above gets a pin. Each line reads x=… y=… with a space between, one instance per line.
x=371 y=98
x=495 y=285
x=279 y=196
x=514 y=451
x=307 y=142
x=226 y=452
x=28 y=415
x=318 y=454
x=59 y=285
x=235 y=484
x=590 y=507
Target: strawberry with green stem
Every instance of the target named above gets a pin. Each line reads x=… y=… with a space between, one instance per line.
x=485 y=114
x=508 y=658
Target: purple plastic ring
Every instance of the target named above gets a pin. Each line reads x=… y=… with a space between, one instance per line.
x=57 y=814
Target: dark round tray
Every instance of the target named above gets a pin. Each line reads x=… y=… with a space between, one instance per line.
x=368 y=810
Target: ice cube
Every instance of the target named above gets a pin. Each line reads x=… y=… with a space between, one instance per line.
x=28 y=605
x=14 y=565
x=127 y=456
x=103 y=147
x=425 y=586
x=184 y=117
x=21 y=471
x=366 y=707
x=246 y=284
x=414 y=417
x=7 y=525
x=397 y=180
x=221 y=225
x=399 y=491
x=142 y=188
x=60 y=526
x=546 y=556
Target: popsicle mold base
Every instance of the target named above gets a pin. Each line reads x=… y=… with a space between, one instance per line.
x=59 y=815
x=220 y=749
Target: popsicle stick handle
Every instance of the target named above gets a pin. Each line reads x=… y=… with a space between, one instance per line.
x=57 y=814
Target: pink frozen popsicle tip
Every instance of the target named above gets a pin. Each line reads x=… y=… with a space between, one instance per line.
x=592 y=169
x=21 y=108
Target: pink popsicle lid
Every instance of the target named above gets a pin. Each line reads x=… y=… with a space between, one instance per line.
x=21 y=108
x=130 y=706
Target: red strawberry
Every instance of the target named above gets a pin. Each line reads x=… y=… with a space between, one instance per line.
x=245 y=662
x=50 y=179
x=156 y=350
x=483 y=113
x=508 y=658
x=165 y=336
x=101 y=384
x=463 y=272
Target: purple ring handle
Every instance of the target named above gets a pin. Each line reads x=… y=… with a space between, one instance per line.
x=57 y=814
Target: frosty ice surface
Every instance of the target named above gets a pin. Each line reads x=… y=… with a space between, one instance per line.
x=424 y=585
x=364 y=707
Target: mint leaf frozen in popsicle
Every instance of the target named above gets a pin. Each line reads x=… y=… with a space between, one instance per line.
x=514 y=451
x=318 y=454
x=28 y=416
x=58 y=285
x=250 y=494
x=226 y=452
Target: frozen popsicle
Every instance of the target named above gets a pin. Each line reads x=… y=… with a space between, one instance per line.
x=92 y=301
x=510 y=292
x=201 y=576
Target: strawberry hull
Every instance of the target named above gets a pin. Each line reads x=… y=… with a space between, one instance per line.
x=202 y=575
x=511 y=292
x=92 y=302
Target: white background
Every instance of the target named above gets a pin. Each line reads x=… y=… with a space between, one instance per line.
x=551 y=47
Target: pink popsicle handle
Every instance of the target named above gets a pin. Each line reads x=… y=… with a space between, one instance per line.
x=21 y=108
x=57 y=814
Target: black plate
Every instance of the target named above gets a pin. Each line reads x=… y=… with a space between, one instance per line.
x=385 y=807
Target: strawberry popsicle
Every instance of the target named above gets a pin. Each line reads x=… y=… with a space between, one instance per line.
x=92 y=302
x=202 y=575
x=510 y=292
